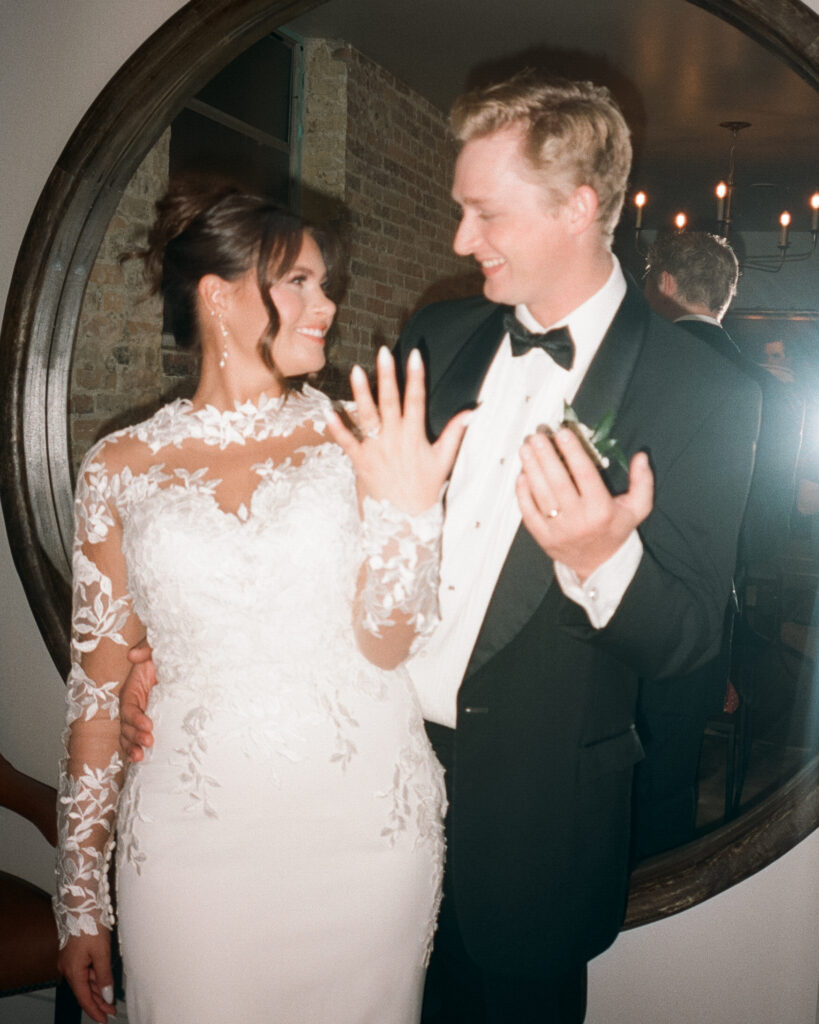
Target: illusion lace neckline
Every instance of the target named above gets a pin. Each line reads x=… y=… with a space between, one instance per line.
x=262 y=405
x=252 y=419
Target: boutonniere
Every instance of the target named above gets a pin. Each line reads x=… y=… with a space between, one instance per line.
x=598 y=442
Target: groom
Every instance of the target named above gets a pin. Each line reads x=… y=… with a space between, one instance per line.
x=561 y=586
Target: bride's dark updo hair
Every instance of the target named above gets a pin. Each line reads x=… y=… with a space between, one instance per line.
x=218 y=229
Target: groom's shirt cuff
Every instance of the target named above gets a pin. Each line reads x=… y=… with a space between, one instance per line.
x=600 y=595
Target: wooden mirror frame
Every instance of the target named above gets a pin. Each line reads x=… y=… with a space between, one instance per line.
x=38 y=331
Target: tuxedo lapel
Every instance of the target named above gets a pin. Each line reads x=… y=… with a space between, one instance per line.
x=528 y=571
x=604 y=386
x=460 y=383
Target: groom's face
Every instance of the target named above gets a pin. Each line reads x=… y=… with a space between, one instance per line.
x=509 y=223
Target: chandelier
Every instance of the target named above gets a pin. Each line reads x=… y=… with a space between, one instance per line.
x=724 y=193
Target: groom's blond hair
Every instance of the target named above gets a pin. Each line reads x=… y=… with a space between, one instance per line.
x=573 y=133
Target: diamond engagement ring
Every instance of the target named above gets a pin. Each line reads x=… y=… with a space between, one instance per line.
x=553 y=513
x=373 y=432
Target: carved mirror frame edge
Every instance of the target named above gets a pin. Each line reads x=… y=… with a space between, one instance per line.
x=38 y=329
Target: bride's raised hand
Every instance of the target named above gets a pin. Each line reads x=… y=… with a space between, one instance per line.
x=393 y=459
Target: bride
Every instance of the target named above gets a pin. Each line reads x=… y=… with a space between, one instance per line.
x=279 y=855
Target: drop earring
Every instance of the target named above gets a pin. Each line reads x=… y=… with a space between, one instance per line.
x=226 y=339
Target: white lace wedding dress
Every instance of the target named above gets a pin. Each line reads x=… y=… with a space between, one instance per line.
x=279 y=852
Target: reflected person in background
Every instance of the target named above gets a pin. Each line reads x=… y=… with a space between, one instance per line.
x=691 y=279
x=279 y=857
x=776 y=361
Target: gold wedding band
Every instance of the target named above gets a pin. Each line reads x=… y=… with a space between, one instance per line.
x=553 y=513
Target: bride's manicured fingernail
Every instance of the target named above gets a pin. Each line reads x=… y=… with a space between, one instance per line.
x=415 y=362
x=384 y=355
x=358 y=375
x=108 y=994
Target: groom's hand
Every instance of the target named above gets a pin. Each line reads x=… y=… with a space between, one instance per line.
x=136 y=729
x=567 y=507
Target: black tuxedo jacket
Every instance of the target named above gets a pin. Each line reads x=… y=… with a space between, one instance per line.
x=538 y=828
x=718 y=338
x=766 y=526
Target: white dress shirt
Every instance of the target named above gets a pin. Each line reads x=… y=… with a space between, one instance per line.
x=518 y=394
x=704 y=317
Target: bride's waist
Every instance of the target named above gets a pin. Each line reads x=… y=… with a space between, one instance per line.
x=252 y=665
x=250 y=689
x=217 y=721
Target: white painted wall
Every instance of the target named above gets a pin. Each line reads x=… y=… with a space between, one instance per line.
x=750 y=956
x=54 y=60
x=747 y=956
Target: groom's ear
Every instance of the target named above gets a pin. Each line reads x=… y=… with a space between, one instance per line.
x=582 y=206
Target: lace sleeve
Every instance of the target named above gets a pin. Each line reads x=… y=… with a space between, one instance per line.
x=398 y=586
x=103 y=628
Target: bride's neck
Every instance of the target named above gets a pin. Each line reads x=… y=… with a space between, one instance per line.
x=225 y=386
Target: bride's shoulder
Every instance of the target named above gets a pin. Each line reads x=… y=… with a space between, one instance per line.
x=134 y=447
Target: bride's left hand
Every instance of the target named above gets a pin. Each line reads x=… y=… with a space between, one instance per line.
x=393 y=460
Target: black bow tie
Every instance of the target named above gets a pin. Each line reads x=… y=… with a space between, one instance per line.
x=557 y=342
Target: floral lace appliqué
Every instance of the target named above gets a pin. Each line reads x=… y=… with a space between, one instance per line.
x=247 y=421
x=402 y=557
x=417 y=805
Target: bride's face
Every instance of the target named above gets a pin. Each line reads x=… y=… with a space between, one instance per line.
x=305 y=317
x=305 y=314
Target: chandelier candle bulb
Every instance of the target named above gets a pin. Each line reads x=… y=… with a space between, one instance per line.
x=784 y=221
x=814 y=217
x=680 y=221
x=721 y=191
x=639 y=202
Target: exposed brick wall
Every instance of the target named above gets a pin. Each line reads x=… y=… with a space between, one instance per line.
x=324 y=129
x=397 y=171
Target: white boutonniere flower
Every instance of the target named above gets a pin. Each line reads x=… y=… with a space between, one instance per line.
x=597 y=441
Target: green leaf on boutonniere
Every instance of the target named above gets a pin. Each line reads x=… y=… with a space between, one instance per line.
x=597 y=441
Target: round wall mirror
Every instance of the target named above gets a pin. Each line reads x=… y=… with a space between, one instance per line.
x=38 y=345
